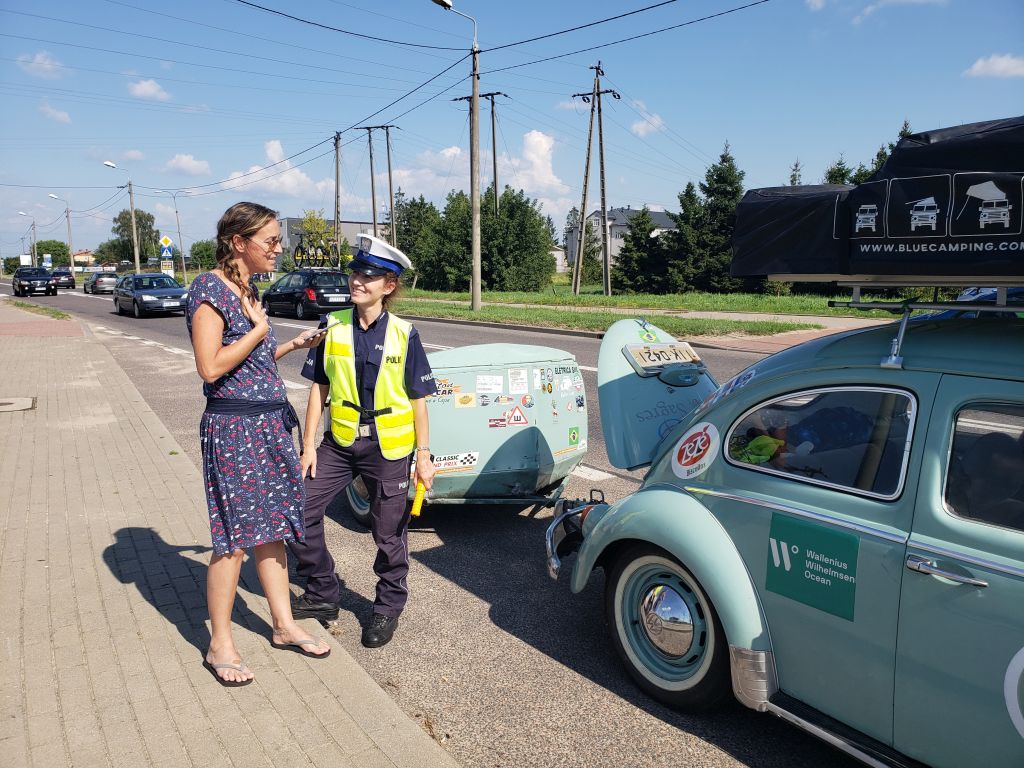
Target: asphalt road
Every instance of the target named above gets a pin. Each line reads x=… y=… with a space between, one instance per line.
x=496 y=661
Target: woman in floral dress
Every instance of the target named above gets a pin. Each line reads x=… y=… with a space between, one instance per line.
x=254 y=487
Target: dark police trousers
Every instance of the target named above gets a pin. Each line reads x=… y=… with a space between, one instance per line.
x=387 y=481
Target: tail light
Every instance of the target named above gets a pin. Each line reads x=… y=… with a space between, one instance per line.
x=311 y=294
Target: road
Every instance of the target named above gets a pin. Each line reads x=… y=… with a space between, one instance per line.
x=500 y=664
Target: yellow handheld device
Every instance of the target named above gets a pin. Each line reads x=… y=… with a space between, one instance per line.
x=417 y=501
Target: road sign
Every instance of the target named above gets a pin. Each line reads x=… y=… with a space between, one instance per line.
x=166 y=242
x=165 y=252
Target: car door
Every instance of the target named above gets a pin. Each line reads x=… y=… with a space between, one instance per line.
x=960 y=656
x=121 y=292
x=273 y=293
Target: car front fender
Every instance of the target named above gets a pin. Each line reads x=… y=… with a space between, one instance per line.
x=678 y=523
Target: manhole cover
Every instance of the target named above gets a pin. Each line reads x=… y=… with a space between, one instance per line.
x=17 y=404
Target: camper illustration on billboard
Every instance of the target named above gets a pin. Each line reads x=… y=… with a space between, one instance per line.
x=925 y=213
x=867 y=215
x=994 y=208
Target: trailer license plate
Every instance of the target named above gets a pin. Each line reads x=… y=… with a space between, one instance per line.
x=648 y=356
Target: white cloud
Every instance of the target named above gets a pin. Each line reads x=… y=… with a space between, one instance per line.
x=188 y=164
x=284 y=179
x=876 y=6
x=570 y=105
x=997 y=65
x=133 y=154
x=42 y=65
x=651 y=123
x=815 y=5
x=148 y=89
x=57 y=115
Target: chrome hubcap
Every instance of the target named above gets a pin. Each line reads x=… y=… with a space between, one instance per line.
x=667 y=621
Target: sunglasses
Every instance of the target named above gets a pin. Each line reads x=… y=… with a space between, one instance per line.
x=270 y=244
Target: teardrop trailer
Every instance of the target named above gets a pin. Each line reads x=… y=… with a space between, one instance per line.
x=835 y=535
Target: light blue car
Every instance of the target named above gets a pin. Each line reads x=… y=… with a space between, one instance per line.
x=835 y=536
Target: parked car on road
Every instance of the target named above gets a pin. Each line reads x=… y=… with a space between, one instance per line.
x=29 y=280
x=63 y=278
x=99 y=282
x=834 y=536
x=146 y=293
x=308 y=293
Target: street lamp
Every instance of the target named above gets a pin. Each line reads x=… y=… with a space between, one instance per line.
x=22 y=213
x=67 y=214
x=131 y=203
x=474 y=157
x=177 y=219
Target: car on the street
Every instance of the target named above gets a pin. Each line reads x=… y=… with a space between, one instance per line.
x=834 y=536
x=149 y=293
x=99 y=282
x=29 y=280
x=63 y=278
x=307 y=293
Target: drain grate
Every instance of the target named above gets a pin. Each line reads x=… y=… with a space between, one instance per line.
x=9 y=404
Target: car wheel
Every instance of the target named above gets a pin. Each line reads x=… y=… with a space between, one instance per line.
x=117 y=306
x=358 y=500
x=137 y=310
x=300 y=310
x=666 y=630
x=266 y=308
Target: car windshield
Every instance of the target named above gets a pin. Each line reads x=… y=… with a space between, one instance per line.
x=333 y=280
x=37 y=272
x=150 y=283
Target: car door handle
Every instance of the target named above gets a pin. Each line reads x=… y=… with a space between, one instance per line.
x=921 y=565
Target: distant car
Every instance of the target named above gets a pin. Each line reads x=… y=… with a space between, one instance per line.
x=99 y=282
x=63 y=278
x=149 y=293
x=829 y=537
x=307 y=293
x=29 y=280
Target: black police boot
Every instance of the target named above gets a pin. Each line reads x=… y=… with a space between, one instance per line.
x=380 y=630
x=304 y=608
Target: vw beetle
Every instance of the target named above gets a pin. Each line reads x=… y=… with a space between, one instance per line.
x=834 y=536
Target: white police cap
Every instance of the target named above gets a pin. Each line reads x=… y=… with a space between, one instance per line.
x=376 y=257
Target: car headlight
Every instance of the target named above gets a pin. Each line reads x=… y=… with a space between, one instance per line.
x=184 y=296
x=147 y=297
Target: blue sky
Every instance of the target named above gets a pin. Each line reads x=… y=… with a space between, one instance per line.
x=189 y=95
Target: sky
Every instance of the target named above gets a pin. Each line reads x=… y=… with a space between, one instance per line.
x=204 y=104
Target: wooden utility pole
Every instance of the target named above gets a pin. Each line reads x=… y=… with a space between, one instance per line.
x=577 y=264
x=494 y=138
x=605 y=244
x=391 y=187
x=337 y=196
x=373 y=183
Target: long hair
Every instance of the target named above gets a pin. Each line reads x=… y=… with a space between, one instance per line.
x=245 y=219
x=394 y=295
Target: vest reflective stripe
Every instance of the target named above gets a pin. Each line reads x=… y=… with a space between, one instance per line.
x=395 y=431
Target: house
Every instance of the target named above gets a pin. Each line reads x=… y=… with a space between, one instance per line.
x=558 y=254
x=618 y=226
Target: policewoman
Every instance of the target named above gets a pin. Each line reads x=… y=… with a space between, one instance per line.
x=373 y=368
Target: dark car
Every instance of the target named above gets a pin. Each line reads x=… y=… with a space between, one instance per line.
x=1014 y=304
x=63 y=278
x=147 y=293
x=29 y=280
x=99 y=282
x=308 y=293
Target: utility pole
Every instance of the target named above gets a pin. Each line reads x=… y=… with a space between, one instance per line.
x=605 y=244
x=577 y=264
x=494 y=139
x=337 y=194
x=391 y=187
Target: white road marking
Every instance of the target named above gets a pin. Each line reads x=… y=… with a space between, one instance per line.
x=589 y=473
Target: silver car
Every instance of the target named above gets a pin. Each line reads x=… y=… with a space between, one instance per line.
x=99 y=282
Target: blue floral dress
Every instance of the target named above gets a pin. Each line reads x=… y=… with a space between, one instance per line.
x=254 y=487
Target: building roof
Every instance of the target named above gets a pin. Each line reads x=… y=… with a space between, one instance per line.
x=622 y=217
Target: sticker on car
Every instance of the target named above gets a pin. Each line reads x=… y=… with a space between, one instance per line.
x=695 y=451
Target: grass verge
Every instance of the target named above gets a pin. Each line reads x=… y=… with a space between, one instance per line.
x=56 y=314
x=593 y=321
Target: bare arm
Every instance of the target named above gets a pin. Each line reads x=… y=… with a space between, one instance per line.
x=304 y=340
x=213 y=357
x=314 y=407
x=424 y=466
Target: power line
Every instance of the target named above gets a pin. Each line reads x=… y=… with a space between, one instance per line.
x=345 y=31
x=581 y=26
x=629 y=39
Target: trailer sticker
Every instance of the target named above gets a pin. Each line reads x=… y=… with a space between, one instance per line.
x=492 y=385
x=1013 y=691
x=581 y=402
x=445 y=388
x=456 y=461
x=484 y=401
x=574 y=435
x=813 y=564
x=538 y=378
x=517 y=381
x=527 y=401
x=695 y=451
x=549 y=375
x=466 y=400
x=517 y=418
x=503 y=400
x=491 y=423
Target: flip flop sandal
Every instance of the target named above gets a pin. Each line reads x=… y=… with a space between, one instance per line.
x=228 y=683
x=296 y=647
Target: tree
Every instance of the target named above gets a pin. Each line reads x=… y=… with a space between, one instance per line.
x=552 y=236
x=722 y=189
x=417 y=229
x=11 y=263
x=145 y=225
x=203 y=254
x=795 y=173
x=838 y=173
x=109 y=252
x=593 y=267
x=640 y=266
x=58 y=249
x=515 y=246
x=682 y=246
x=449 y=267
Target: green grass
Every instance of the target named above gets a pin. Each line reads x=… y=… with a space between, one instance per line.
x=593 y=321
x=56 y=314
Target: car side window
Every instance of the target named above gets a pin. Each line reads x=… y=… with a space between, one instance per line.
x=985 y=478
x=852 y=438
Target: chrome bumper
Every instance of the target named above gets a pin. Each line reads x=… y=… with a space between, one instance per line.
x=562 y=539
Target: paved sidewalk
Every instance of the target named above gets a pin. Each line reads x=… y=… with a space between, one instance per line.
x=103 y=551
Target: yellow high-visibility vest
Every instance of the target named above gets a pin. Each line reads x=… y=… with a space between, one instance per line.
x=395 y=430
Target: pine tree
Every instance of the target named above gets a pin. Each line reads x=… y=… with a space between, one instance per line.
x=838 y=173
x=640 y=265
x=795 y=173
x=681 y=246
x=722 y=189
